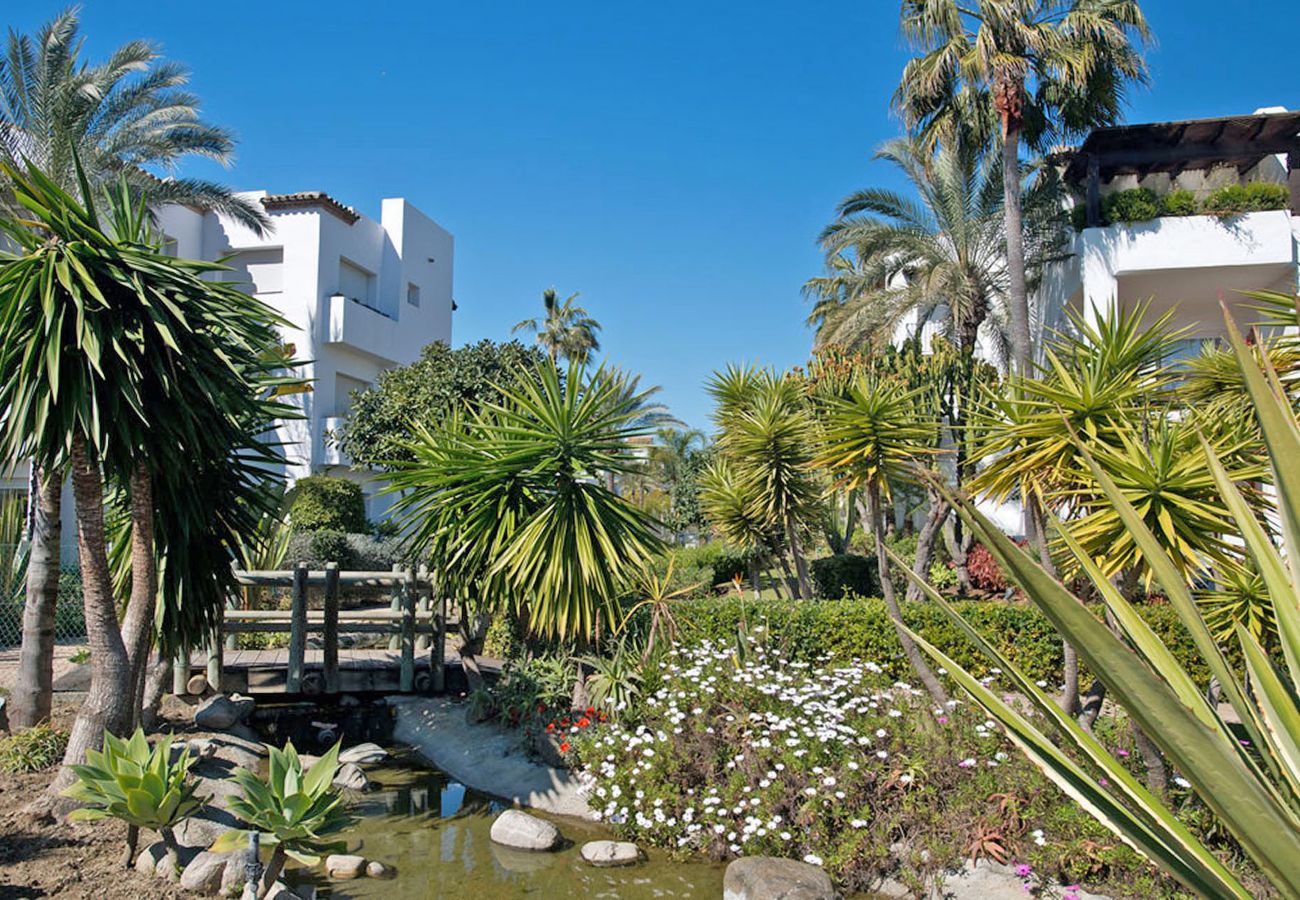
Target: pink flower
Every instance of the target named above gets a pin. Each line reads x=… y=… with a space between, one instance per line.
x=1122 y=753
x=1024 y=870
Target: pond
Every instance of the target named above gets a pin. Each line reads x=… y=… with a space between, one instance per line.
x=433 y=832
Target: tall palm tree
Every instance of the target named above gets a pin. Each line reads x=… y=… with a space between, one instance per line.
x=936 y=255
x=132 y=369
x=1018 y=72
x=565 y=330
x=118 y=118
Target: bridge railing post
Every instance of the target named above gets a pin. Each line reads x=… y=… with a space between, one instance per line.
x=181 y=671
x=407 y=678
x=439 y=659
x=395 y=606
x=331 y=636
x=297 y=631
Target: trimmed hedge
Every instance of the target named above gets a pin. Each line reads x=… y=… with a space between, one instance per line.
x=860 y=628
x=846 y=573
x=326 y=503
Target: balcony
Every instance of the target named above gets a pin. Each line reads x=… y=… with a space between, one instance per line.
x=357 y=327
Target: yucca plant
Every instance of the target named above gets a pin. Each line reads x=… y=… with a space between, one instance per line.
x=135 y=782
x=1248 y=774
x=294 y=812
x=615 y=680
x=657 y=596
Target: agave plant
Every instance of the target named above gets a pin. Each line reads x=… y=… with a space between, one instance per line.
x=615 y=680
x=139 y=784
x=1247 y=774
x=294 y=812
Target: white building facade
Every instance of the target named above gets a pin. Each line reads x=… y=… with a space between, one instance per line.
x=359 y=296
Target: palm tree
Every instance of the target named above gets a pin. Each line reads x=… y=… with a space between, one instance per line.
x=873 y=435
x=1041 y=70
x=117 y=118
x=132 y=369
x=565 y=330
x=764 y=427
x=937 y=254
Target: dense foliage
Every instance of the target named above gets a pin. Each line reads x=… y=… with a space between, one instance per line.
x=442 y=381
x=327 y=503
x=33 y=749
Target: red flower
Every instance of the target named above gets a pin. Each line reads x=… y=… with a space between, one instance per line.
x=564 y=747
x=591 y=710
x=584 y=722
x=550 y=727
x=564 y=722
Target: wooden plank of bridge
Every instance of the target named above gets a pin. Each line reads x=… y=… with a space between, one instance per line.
x=331 y=637
x=407 y=679
x=297 y=631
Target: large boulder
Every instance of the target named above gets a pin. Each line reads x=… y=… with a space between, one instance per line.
x=364 y=754
x=770 y=878
x=220 y=712
x=344 y=866
x=205 y=872
x=605 y=854
x=156 y=859
x=524 y=832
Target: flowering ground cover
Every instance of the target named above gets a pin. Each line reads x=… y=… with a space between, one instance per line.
x=736 y=751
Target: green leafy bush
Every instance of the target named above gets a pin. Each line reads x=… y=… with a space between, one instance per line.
x=1131 y=206
x=1179 y=203
x=942 y=576
x=1242 y=198
x=139 y=784
x=294 y=811
x=860 y=628
x=326 y=503
x=350 y=551
x=845 y=573
x=32 y=750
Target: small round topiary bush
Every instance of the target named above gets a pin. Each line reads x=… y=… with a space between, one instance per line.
x=1133 y=205
x=325 y=503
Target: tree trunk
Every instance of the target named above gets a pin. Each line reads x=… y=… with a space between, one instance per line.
x=155 y=684
x=959 y=542
x=108 y=703
x=933 y=524
x=1036 y=525
x=789 y=576
x=34 y=689
x=914 y=658
x=800 y=564
x=137 y=625
x=1017 y=296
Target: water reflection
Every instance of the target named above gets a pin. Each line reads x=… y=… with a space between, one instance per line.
x=433 y=833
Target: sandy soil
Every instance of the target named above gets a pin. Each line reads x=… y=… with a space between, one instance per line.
x=52 y=859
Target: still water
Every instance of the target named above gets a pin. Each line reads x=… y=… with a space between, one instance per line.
x=433 y=832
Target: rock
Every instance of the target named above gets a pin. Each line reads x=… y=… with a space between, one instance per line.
x=220 y=712
x=524 y=832
x=769 y=878
x=988 y=880
x=154 y=856
x=243 y=731
x=205 y=872
x=351 y=778
x=201 y=748
x=343 y=867
x=364 y=754
x=199 y=831
x=197 y=685
x=234 y=876
x=281 y=891
x=610 y=853
x=376 y=869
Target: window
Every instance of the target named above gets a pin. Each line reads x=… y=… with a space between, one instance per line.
x=413 y=294
x=356 y=283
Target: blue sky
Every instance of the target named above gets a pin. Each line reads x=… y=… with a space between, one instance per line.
x=672 y=161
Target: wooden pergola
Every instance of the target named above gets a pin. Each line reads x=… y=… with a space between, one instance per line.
x=1172 y=147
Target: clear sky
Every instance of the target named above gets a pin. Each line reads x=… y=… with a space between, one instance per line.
x=672 y=161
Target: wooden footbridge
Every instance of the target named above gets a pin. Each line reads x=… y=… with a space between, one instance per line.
x=406 y=640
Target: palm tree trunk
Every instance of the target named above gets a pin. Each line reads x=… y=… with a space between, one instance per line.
x=1018 y=296
x=1037 y=528
x=34 y=690
x=914 y=658
x=800 y=564
x=925 y=541
x=108 y=703
x=137 y=625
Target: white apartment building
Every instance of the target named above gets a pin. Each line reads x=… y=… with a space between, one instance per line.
x=1185 y=263
x=360 y=296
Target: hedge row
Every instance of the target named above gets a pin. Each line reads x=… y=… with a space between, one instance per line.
x=860 y=628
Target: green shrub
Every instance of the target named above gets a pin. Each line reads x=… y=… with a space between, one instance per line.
x=32 y=750
x=316 y=548
x=325 y=503
x=845 y=573
x=942 y=576
x=1130 y=206
x=860 y=628
x=1179 y=203
x=1079 y=216
x=1242 y=198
